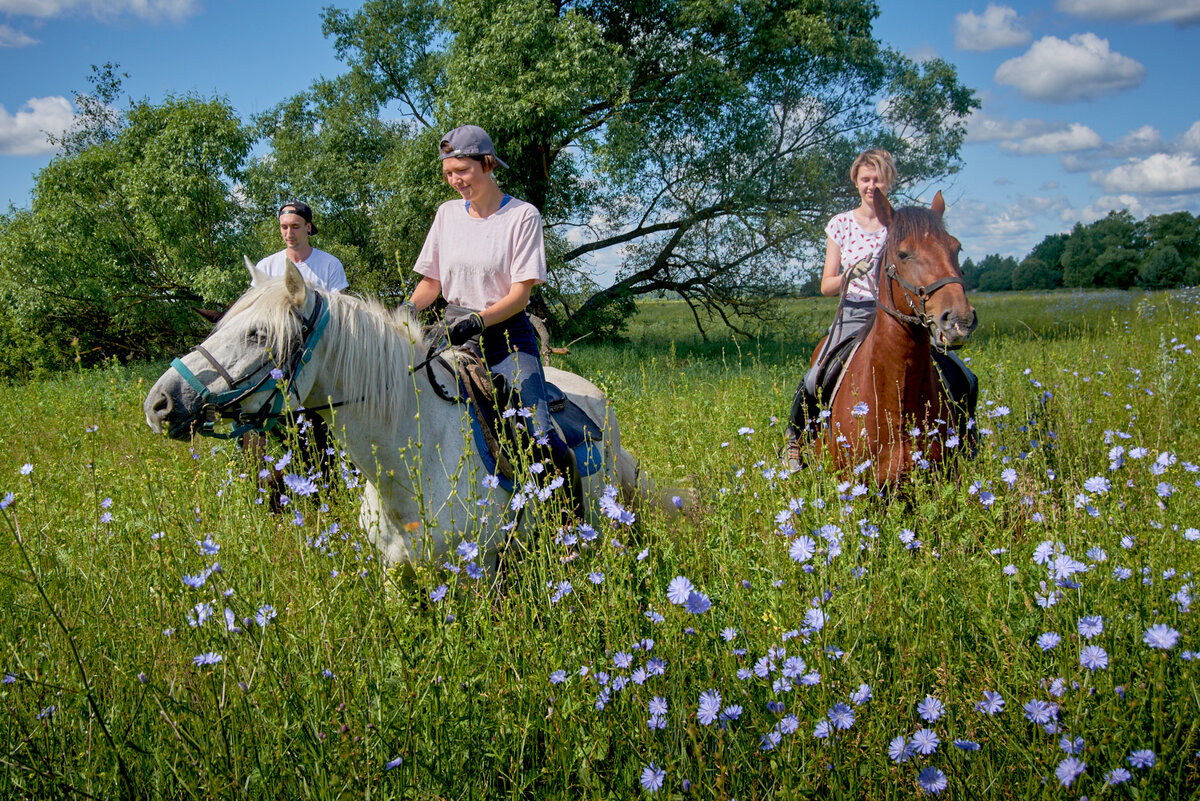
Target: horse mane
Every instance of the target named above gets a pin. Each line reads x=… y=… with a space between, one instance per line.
x=918 y=221
x=370 y=348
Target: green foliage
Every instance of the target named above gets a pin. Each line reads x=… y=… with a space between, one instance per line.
x=686 y=135
x=1033 y=273
x=1102 y=254
x=129 y=226
x=993 y=274
x=1162 y=269
x=1160 y=252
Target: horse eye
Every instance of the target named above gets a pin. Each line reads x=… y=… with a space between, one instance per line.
x=904 y=255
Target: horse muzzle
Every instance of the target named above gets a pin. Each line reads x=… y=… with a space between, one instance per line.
x=165 y=413
x=953 y=328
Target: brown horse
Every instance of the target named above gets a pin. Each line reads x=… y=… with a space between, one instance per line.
x=891 y=407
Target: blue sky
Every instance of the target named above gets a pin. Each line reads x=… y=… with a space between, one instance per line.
x=1088 y=105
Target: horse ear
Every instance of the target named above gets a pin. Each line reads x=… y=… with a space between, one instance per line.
x=256 y=276
x=939 y=204
x=883 y=209
x=293 y=281
x=212 y=315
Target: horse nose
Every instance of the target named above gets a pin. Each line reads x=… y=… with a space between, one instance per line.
x=158 y=407
x=957 y=326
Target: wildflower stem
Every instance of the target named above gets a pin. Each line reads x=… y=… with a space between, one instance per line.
x=37 y=584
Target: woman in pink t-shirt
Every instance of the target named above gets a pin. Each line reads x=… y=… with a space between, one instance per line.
x=853 y=238
x=484 y=254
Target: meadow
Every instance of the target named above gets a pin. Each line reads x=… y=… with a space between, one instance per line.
x=1019 y=628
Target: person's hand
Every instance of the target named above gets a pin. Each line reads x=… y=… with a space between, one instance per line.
x=858 y=270
x=465 y=329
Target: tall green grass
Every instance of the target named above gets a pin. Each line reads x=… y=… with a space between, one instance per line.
x=365 y=684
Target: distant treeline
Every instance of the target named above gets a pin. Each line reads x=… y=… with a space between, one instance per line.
x=1159 y=252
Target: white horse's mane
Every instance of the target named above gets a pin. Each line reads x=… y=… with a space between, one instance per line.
x=370 y=348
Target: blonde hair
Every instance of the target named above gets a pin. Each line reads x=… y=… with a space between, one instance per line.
x=878 y=159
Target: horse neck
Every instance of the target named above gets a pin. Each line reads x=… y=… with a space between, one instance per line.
x=365 y=362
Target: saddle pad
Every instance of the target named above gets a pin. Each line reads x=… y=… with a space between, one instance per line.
x=579 y=431
x=841 y=373
x=830 y=372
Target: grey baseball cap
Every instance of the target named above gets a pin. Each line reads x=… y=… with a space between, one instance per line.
x=468 y=140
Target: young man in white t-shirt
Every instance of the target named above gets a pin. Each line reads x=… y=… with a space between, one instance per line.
x=319 y=268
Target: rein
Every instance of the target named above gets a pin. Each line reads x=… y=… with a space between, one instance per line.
x=228 y=404
x=916 y=297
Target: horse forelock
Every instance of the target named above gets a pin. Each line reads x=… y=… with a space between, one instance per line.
x=271 y=312
x=914 y=221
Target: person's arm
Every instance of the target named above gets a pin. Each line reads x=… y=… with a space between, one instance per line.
x=516 y=300
x=427 y=291
x=831 y=276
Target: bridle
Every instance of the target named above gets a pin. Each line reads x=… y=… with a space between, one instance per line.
x=216 y=406
x=916 y=297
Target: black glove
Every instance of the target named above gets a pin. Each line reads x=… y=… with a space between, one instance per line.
x=465 y=329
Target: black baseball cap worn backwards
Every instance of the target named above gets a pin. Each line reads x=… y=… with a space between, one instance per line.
x=298 y=207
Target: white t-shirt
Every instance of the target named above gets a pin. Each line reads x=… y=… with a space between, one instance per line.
x=857 y=245
x=320 y=269
x=478 y=260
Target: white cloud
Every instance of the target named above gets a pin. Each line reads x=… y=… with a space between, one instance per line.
x=1072 y=162
x=1145 y=139
x=1190 y=142
x=1181 y=12
x=10 y=37
x=996 y=27
x=1082 y=68
x=986 y=128
x=1074 y=137
x=1158 y=174
x=1100 y=208
x=1004 y=228
x=173 y=10
x=24 y=133
x=923 y=53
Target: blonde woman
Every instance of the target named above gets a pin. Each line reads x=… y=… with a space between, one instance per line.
x=853 y=239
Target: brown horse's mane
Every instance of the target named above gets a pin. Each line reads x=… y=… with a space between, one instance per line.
x=914 y=221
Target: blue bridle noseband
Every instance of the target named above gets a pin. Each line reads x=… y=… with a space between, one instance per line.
x=215 y=406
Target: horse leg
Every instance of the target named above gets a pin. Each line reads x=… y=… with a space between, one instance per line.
x=639 y=490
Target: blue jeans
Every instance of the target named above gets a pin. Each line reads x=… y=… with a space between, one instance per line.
x=511 y=352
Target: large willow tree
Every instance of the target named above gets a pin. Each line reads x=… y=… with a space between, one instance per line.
x=698 y=145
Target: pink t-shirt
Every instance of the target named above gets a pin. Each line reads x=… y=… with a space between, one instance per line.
x=857 y=245
x=478 y=260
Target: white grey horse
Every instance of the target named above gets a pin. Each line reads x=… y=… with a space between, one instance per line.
x=424 y=475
